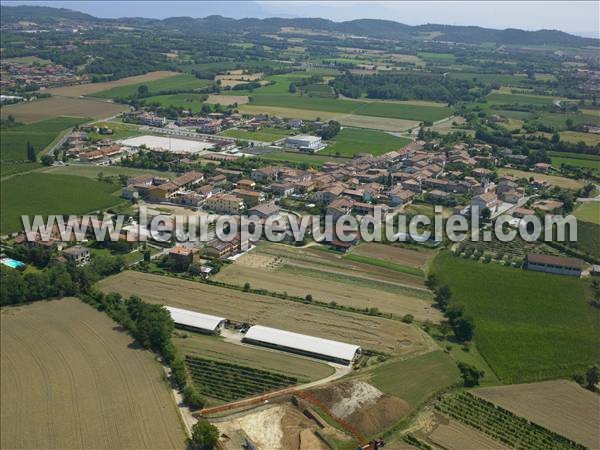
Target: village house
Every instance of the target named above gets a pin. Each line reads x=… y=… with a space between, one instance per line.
x=399 y=196
x=339 y=208
x=182 y=256
x=77 y=254
x=250 y=198
x=225 y=203
x=485 y=200
x=265 y=174
x=264 y=210
x=282 y=189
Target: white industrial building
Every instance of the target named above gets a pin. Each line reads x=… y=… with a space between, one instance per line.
x=315 y=347
x=195 y=321
x=305 y=143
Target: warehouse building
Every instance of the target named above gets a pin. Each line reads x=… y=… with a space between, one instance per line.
x=554 y=264
x=194 y=321
x=302 y=344
x=305 y=143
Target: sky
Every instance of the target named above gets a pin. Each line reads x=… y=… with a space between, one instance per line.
x=576 y=17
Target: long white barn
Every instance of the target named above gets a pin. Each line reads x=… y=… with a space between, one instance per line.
x=334 y=351
x=196 y=321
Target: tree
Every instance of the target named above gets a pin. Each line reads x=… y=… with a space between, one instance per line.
x=470 y=374
x=246 y=287
x=442 y=297
x=204 y=436
x=192 y=397
x=143 y=90
x=309 y=298
x=47 y=160
x=31 y=152
x=464 y=328
x=592 y=377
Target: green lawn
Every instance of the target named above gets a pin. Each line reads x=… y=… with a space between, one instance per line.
x=13 y=142
x=41 y=193
x=416 y=379
x=529 y=325
x=120 y=131
x=351 y=141
x=589 y=212
x=176 y=82
x=265 y=134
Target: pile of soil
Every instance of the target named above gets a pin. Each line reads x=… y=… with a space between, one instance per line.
x=362 y=405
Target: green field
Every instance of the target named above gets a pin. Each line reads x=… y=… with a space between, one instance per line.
x=13 y=145
x=351 y=141
x=588 y=212
x=497 y=98
x=41 y=193
x=190 y=102
x=92 y=171
x=575 y=159
x=499 y=78
x=385 y=264
x=437 y=57
x=264 y=134
x=177 y=82
x=416 y=379
x=559 y=121
x=529 y=325
x=120 y=131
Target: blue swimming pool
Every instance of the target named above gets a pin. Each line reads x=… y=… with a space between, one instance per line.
x=12 y=263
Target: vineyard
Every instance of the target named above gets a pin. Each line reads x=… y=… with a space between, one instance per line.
x=501 y=424
x=229 y=382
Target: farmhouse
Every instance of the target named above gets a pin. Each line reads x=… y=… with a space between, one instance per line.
x=554 y=264
x=302 y=344
x=77 y=254
x=195 y=321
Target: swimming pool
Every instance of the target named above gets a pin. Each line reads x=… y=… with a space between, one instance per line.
x=12 y=263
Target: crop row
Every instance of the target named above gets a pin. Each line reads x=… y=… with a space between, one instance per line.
x=501 y=424
x=229 y=382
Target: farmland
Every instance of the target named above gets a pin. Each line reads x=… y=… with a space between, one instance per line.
x=578 y=160
x=404 y=378
x=454 y=435
x=72 y=379
x=190 y=102
x=503 y=300
x=89 y=88
x=370 y=332
x=496 y=98
x=229 y=382
x=298 y=157
x=588 y=212
x=500 y=424
x=576 y=137
x=351 y=141
x=326 y=276
x=47 y=108
x=566 y=183
x=42 y=193
x=560 y=406
x=218 y=349
x=176 y=82
x=88 y=171
x=13 y=146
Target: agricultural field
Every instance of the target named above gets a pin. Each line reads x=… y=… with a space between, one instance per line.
x=42 y=193
x=264 y=134
x=188 y=101
x=89 y=88
x=214 y=99
x=72 y=379
x=490 y=78
x=413 y=260
x=349 y=142
x=327 y=276
x=405 y=378
x=588 y=212
x=182 y=82
x=90 y=171
x=562 y=182
x=13 y=146
x=218 y=349
x=496 y=98
x=561 y=406
x=368 y=331
x=437 y=57
x=576 y=137
x=229 y=382
x=502 y=300
x=559 y=121
x=575 y=159
x=453 y=435
x=376 y=123
x=48 y=108
x=500 y=424
x=121 y=130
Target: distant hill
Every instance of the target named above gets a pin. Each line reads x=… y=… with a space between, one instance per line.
x=376 y=28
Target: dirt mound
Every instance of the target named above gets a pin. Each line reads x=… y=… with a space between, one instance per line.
x=362 y=405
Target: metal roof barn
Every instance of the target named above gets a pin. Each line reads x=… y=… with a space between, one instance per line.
x=300 y=343
x=195 y=320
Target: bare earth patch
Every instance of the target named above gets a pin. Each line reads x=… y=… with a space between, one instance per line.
x=453 y=435
x=398 y=255
x=227 y=99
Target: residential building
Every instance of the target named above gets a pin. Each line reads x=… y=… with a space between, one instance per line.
x=225 y=203
x=77 y=254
